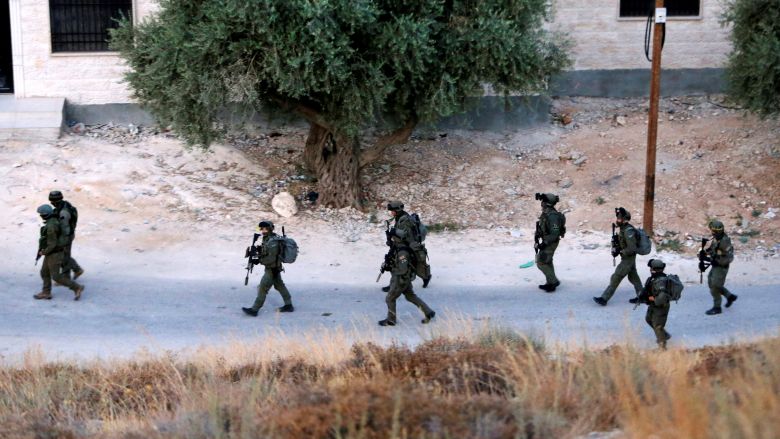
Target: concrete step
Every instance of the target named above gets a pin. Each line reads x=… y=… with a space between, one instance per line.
x=31 y=118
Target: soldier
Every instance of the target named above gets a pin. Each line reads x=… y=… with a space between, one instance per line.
x=406 y=229
x=720 y=254
x=656 y=295
x=626 y=247
x=51 y=245
x=549 y=229
x=402 y=270
x=68 y=216
x=270 y=253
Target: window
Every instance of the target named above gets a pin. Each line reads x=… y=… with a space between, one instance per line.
x=82 y=25
x=674 y=8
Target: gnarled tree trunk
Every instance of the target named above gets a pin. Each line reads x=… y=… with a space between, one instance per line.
x=335 y=161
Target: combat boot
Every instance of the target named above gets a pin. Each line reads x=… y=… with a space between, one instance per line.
x=386 y=322
x=428 y=317
x=286 y=308
x=549 y=287
x=386 y=289
x=426 y=281
x=42 y=296
x=249 y=311
x=731 y=299
x=714 y=310
x=600 y=300
x=77 y=292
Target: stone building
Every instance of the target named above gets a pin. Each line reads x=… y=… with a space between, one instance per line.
x=57 y=50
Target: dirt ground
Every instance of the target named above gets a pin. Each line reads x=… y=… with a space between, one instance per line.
x=163 y=229
x=713 y=162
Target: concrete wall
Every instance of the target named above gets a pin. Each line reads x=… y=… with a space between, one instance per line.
x=82 y=78
x=608 y=55
x=603 y=41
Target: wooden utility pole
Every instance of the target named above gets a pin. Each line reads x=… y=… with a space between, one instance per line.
x=652 y=119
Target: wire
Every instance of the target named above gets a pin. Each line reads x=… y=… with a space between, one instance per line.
x=648 y=33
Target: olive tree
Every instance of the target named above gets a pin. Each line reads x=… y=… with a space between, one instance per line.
x=753 y=70
x=343 y=65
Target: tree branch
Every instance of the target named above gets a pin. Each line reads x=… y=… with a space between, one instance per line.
x=401 y=135
x=308 y=112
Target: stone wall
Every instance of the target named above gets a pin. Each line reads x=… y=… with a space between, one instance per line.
x=82 y=78
x=603 y=41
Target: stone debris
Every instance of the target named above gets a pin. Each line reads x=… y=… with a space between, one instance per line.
x=284 y=204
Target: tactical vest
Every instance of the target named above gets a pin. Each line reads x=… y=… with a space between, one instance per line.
x=62 y=240
x=722 y=251
x=553 y=216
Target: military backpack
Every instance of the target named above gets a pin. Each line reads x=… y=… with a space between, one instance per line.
x=288 y=248
x=420 y=230
x=674 y=286
x=562 y=222
x=643 y=244
x=74 y=215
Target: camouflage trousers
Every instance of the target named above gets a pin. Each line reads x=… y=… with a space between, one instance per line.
x=52 y=270
x=544 y=261
x=656 y=318
x=626 y=267
x=69 y=263
x=401 y=284
x=272 y=277
x=716 y=281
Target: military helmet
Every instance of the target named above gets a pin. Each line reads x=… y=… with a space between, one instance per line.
x=45 y=210
x=55 y=196
x=395 y=206
x=550 y=199
x=621 y=212
x=265 y=224
x=715 y=226
x=656 y=264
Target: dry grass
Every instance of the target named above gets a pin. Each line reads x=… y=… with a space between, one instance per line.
x=491 y=385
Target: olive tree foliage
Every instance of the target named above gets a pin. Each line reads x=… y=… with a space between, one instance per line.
x=343 y=65
x=753 y=70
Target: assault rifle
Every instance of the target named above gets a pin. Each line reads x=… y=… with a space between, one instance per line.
x=253 y=253
x=704 y=261
x=537 y=237
x=643 y=297
x=615 y=245
x=387 y=264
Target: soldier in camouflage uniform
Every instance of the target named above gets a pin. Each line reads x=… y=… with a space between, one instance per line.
x=62 y=209
x=549 y=230
x=270 y=254
x=51 y=246
x=403 y=272
x=627 y=246
x=720 y=254
x=656 y=295
x=407 y=230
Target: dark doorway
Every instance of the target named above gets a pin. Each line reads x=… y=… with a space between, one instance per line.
x=6 y=64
